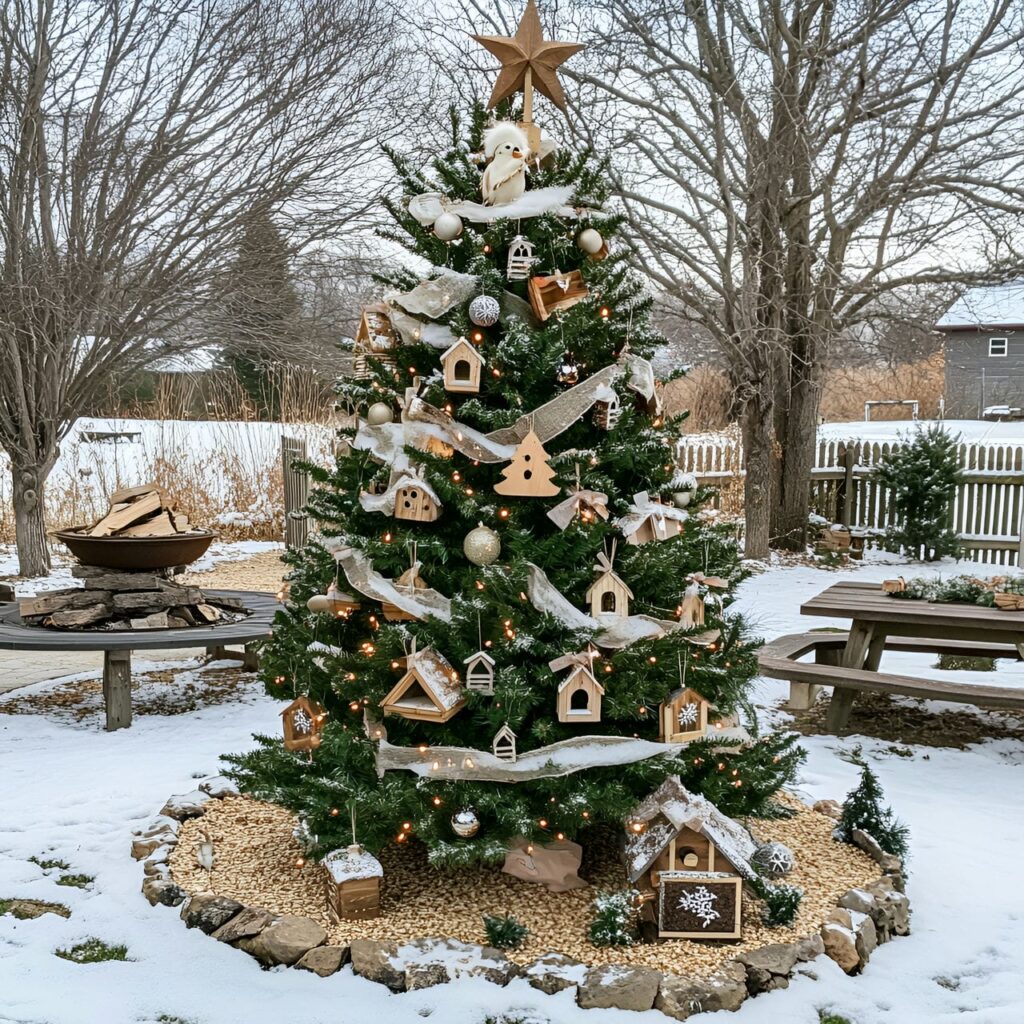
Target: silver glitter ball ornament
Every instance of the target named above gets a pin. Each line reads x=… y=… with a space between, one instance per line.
x=484 y=311
x=773 y=860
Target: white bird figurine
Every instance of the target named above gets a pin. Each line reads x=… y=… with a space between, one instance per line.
x=504 y=179
x=204 y=853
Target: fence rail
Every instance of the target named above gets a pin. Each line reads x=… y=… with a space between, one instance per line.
x=986 y=512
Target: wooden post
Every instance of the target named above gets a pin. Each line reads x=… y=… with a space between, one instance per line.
x=846 y=489
x=117 y=689
x=250 y=658
x=857 y=649
x=803 y=695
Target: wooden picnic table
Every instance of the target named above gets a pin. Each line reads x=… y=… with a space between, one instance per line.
x=876 y=617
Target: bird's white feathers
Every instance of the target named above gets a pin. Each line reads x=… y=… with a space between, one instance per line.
x=504 y=131
x=504 y=178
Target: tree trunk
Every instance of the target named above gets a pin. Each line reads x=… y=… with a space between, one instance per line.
x=761 y=455
x=797 y=463
x=29 y=523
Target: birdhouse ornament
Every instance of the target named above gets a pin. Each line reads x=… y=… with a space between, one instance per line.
x=579 y=694
x=520 y=258
x=608 y=594
x=303 y=721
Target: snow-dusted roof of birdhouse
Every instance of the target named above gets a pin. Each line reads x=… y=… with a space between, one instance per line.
x=670 y=809
x=436 y=674
x=400 y=479
x=463 y=343
x=644 y=508
x=573 y=677
x=351 y=863
x=479 y=656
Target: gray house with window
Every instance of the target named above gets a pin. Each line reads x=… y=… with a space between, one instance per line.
x=983 y=334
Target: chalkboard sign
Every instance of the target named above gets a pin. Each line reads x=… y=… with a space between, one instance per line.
x=699 y=905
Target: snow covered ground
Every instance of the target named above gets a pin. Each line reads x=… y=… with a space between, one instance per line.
x=73 y=792
x=893 y=430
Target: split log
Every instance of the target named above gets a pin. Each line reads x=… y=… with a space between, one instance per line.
x=208 y=612
x=130 y=493
x=115 y=522
x=124 y=581
x=151 y=600
x=159 y=525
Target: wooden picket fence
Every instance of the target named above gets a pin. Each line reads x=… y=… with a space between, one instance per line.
x=986 y=513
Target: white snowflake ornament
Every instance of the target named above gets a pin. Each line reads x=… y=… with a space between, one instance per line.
x=688 y=714
x=301 y=722
x=701 y=903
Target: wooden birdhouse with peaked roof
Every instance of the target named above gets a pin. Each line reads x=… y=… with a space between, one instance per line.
x=429 y=691
x=353 y=884
x=580 y=694
x=375 y=337
x=684 y=848
x=607 y=408
x=504 y=744
x=520 y=258
x=303 y=721
x=608 y=594
x=480 y=673
x=461 y=364
x=415 y=500
x=682 y=716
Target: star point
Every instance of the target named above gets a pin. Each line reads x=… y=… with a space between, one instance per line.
x=527 y=52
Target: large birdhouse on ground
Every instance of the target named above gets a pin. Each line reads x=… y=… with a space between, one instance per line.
x=461 y=365
x=682 y=716
x=682 y=847
x=649 y=520
x=480 y=673
x=375 y=338
x=303 y=721
x=608 y=594
x=580 y=694
x=429 y=691
x=353 y=884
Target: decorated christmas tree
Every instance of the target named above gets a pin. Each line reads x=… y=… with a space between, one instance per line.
x=511 y=623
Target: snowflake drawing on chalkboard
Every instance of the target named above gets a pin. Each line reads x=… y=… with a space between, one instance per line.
x=701 y=903
x=301 y=722
x=688 y=714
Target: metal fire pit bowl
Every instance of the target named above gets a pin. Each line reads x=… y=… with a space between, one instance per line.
x=136 y=552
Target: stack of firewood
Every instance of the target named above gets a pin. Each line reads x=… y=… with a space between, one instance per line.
x=112 y=600
x=145 y=511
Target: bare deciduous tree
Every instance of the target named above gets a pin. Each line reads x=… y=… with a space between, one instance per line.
x=785 y=164
x=135 y=138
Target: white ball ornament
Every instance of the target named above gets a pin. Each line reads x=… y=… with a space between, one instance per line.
x=590 y=241
x=378 y=413
x=482 y=545
x=484 y=311
x=448 y=227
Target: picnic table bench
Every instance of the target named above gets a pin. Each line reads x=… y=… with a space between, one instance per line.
x=117 y=645
x=849 y=661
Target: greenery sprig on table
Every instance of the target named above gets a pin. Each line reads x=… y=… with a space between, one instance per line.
x=960 y=589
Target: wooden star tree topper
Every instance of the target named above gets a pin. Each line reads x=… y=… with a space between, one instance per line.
x=528 y=61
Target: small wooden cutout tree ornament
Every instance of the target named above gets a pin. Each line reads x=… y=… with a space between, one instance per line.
x=528 y=475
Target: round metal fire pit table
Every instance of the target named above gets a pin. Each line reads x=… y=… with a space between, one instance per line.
x=117 y=645
x=136 y=553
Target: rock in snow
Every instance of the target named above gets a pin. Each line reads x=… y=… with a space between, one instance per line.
x=619 y=988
